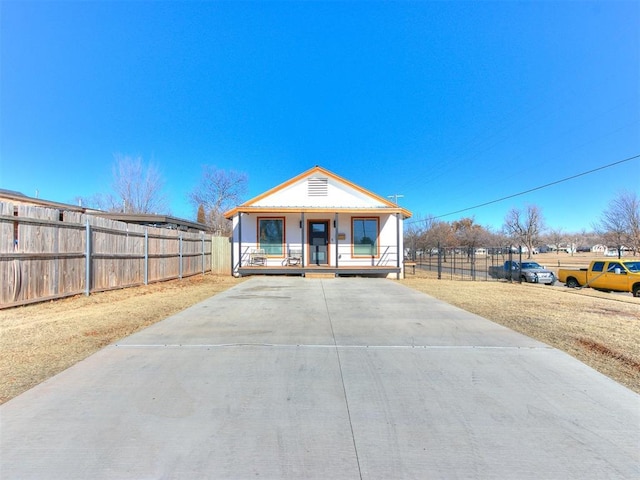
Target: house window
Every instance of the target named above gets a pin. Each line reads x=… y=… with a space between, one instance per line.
x=365 y=236
x=271 y=236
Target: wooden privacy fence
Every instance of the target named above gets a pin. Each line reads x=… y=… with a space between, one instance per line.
x=48 y=253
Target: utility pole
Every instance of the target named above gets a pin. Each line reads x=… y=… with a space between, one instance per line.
x=395 y=197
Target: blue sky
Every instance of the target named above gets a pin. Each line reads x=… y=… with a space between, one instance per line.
x=450 y=104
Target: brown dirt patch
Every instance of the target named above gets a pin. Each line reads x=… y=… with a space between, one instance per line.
x=600 y=329
x=40 y=340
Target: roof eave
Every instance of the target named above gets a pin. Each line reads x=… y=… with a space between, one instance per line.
x=271 y=210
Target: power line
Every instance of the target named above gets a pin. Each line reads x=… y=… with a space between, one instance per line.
x=535 y=189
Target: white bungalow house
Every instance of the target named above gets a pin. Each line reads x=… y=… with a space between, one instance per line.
x=600 y=249
x=318 y=222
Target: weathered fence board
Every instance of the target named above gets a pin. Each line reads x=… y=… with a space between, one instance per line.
x=37 y=277
x=8 y=267
x=117 y=253
x=46 y=253
x=73 y=243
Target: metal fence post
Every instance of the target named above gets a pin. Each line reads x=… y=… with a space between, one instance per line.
x=87 y=265
x=453 y=270
x=520 y=264
x=473 y=264
x=146 y=256
x=56 y=262
x=202 y=235
x=510 y=274
x=180 y=256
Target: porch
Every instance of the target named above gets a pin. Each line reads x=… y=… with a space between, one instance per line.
x=324 y=270
x=299 y=244
x=326 y=260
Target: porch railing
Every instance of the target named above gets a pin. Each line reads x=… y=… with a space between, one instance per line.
x=381 y=256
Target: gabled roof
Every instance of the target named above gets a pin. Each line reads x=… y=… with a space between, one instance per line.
x=318 y=190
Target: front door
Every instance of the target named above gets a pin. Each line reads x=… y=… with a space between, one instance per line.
x=319 y=242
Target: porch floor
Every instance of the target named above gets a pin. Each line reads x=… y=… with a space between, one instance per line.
x=339 y=271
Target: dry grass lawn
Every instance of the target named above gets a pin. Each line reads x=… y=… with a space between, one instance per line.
x=37 y=341
x=599 y=329
x=40 y=340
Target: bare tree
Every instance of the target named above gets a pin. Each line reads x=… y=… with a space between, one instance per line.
x=525 y=227
x=555 y=237
x=136 y=187
x=586 y=238
x=620 y=222
x=496 y=238
x=469 y=234
x=632 y=205
x=412 y=232
x=218 y=191
x=436 y=233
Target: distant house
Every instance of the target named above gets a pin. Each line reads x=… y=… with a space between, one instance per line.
x=600 y=249
x=318 y=223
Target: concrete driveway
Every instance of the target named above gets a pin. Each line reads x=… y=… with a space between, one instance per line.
x=341 y=378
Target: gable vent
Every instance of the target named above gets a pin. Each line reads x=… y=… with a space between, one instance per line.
x=318 y=186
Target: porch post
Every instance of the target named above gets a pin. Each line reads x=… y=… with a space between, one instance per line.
x=398 y=243
x=233 y=253
x=335 y=233
x=239 y=240
x=302 y=243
